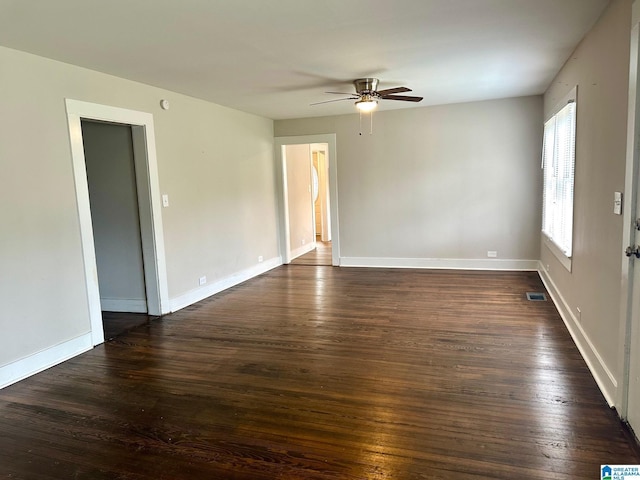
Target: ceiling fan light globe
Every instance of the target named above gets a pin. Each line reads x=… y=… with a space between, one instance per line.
x=366 y=105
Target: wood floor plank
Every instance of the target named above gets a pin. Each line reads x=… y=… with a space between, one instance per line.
x=320 y=373
x=117 y=323
x=321 y=255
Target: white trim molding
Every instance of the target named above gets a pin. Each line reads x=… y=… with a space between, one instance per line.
x=198 y=294
x=441 y=263
x=309 y=247
x=565 y=261
x=604 y=378
x=25 y=367
x=283 y=220
x=131 y=305
x=151 y=221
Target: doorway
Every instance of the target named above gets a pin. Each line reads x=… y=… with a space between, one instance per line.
x=115 y=218
x=321 y=214
x=139 y=127
x=318 y=152
x=300 y=189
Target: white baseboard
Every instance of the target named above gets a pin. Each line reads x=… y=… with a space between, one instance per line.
x=604 y=378
x=302 y=250
x=25 y=367
x=206 y=291
x=441 y=263
x=130 y=305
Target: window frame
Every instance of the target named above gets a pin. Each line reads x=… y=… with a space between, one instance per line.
x=564 y=257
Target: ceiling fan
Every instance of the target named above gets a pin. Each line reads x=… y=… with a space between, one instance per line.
x=367 y=94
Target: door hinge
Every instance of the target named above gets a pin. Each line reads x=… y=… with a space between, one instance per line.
x=632 y=250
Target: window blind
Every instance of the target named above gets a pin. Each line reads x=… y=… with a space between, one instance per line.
x=558 y=156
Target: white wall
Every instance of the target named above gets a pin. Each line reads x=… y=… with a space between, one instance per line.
x=216 y=165
x=298 y=163
x=446 y=182
x=108 y=151
x=600 y=68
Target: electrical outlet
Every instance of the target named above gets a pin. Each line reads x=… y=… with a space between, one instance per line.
x=165 y=200
x=202 y=280
x=492 y=254
x=303 y=241
x=260 y=259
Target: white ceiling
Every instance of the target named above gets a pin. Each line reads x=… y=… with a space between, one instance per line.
x=273 y=58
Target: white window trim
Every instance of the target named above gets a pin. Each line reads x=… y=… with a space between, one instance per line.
x=562 y=257
x=557 y=251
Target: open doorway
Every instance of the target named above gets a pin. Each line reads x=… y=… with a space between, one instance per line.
x=149 y=277
x=308 y=199
x=299 y=188
x=115 y=218
x=320 y=214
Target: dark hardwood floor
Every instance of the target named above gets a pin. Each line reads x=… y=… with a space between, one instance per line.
x=321 y=255
x=117 y=323
x=325 y=373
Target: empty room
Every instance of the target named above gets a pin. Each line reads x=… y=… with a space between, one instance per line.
x=319 y=240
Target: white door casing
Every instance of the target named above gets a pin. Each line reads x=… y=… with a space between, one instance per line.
x=280 y=143
x=149 y=200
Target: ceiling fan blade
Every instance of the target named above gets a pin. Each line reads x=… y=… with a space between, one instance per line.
x=389 y=91
x=403 y=98
x=341 y=93
x=337 y=100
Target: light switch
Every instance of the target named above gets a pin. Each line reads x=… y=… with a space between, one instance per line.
x=165 y=200
x=617 y=203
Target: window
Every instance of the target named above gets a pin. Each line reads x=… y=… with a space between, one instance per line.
x=558 y=162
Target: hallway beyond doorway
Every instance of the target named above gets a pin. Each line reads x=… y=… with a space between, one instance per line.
x=320 y=256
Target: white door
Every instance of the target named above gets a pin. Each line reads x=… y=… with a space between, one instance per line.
x=631 y=267
x=633 y=330
x=633 y=412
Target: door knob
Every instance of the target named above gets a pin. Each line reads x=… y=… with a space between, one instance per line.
x=632 y=250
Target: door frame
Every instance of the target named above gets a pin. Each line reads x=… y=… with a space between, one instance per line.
x=323 y=180
x=283 y=218
x=629 y=310
x=149 y=203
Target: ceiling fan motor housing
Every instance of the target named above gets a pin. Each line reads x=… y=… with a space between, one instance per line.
x=366 y=85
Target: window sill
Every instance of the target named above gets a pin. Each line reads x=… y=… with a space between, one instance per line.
x=559 y=254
